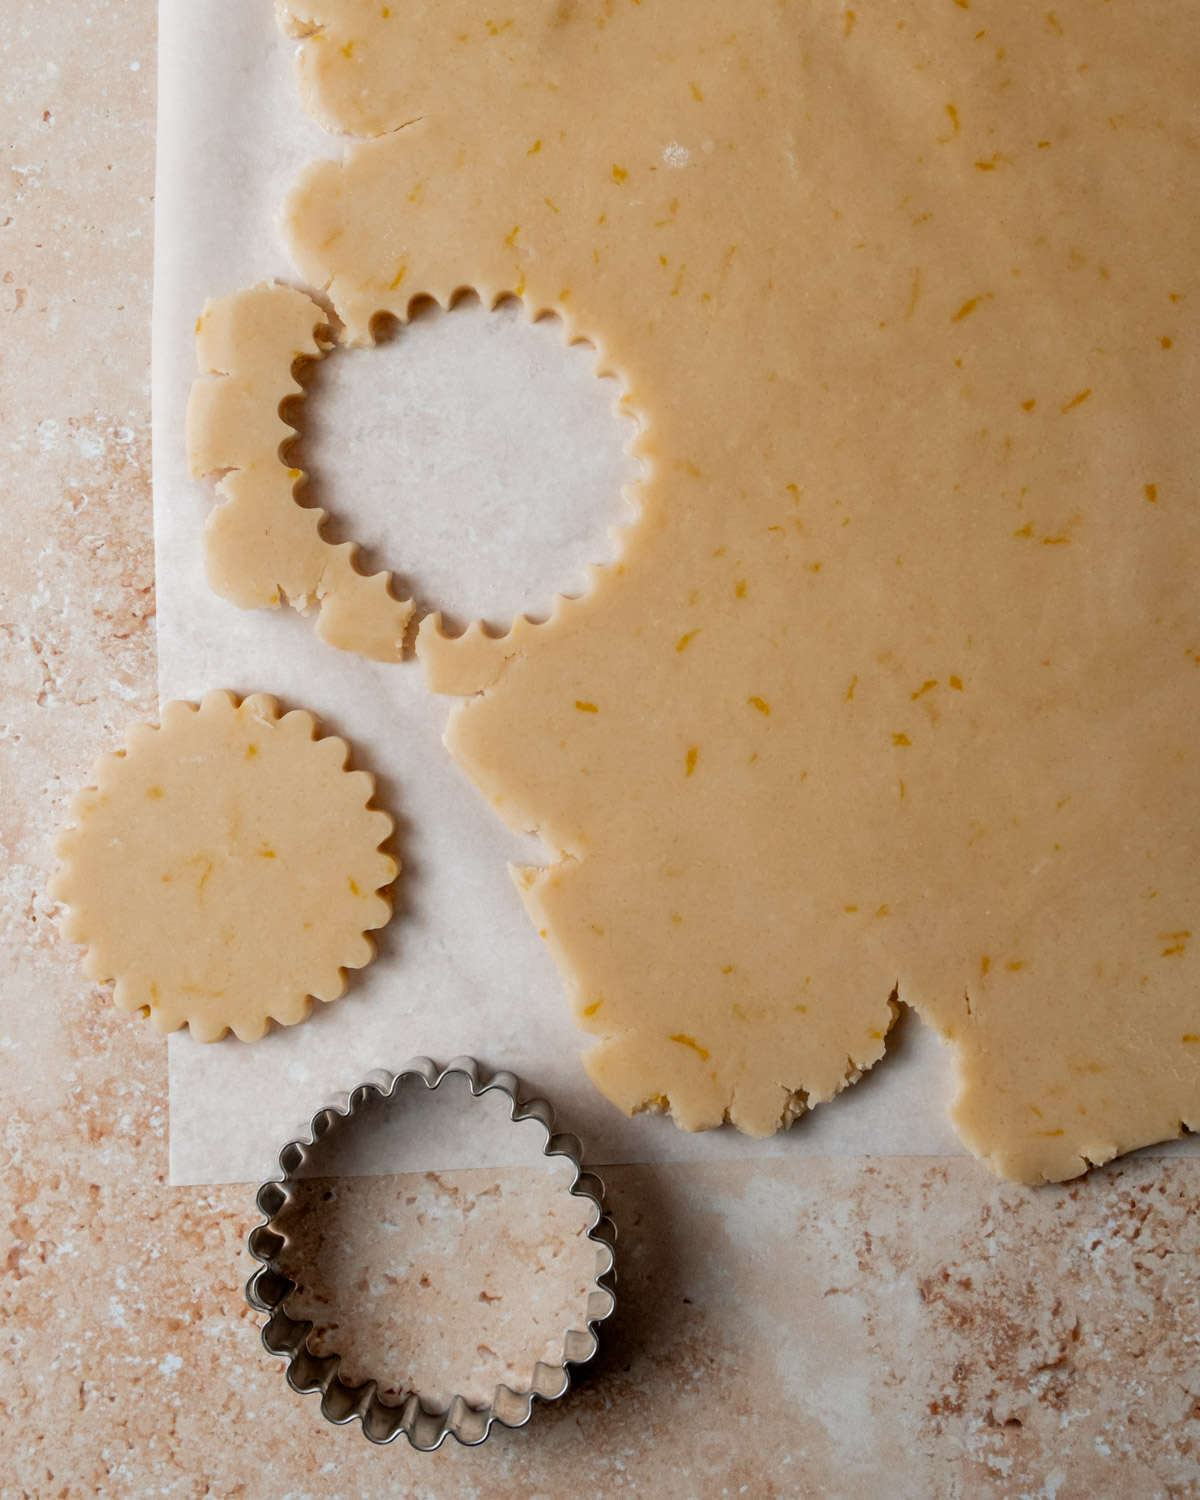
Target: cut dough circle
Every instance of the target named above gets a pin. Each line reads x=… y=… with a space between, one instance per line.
x=225 y=868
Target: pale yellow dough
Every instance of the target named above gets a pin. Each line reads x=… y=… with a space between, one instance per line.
x=259 y=543
x=894 y=688
x=225 y=868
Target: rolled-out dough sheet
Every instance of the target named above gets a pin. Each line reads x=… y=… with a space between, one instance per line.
x=893 y=689
x=461 y=968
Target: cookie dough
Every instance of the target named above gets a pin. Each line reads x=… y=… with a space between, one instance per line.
x=893 y=691
x=225 y=868
x=259 y=543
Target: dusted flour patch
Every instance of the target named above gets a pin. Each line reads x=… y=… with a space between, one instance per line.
x=225 y=868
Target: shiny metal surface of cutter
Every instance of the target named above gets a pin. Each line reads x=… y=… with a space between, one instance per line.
x=287 y=1337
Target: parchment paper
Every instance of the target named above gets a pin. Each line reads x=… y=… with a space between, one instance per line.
x=482 y=462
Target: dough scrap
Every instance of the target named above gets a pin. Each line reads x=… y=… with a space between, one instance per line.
x=893 y=691
x=259 y=543
x=225 y=868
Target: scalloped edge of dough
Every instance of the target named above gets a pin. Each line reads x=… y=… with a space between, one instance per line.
x=101 y=968
x=351 y=619
x=261 y=545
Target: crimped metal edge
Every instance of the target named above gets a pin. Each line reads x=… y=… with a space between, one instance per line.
x=286 y=1337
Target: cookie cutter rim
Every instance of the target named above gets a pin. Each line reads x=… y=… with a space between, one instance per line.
x=287 y=1338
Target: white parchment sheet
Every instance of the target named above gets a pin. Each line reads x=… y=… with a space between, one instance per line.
x=481 y=461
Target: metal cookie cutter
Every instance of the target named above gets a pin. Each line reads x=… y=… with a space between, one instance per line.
x=287 y=1337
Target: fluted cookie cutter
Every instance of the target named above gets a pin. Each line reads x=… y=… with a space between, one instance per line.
x=268 y=1288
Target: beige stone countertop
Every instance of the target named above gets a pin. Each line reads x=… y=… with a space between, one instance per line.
x=893 y=1327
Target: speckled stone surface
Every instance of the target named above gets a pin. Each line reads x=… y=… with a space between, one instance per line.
x=443 y=1283
x=907 y=1327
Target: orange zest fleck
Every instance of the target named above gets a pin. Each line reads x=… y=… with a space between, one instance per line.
x=690 y=1041
x=586 y=708
x=763 y=707
x=692 y=756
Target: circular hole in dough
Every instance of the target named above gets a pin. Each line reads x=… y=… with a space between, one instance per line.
x=474 y=453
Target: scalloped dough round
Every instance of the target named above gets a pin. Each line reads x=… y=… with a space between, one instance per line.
x=225 y=868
